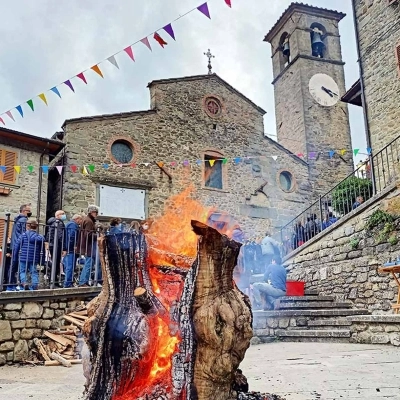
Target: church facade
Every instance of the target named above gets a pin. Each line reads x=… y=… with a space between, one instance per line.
x=200 y=132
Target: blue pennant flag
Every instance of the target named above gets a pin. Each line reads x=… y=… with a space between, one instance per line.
x=237 y=160
x=331 y=153
x=369 y=151
x=105 y=166
x=3 y=169
x=55 y=90
x=19 y=109
x=45 y=169
x=198 y=162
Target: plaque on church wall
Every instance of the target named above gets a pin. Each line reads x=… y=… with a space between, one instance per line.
x=122 y=202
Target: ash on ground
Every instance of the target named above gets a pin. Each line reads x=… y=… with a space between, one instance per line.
x=258 y=396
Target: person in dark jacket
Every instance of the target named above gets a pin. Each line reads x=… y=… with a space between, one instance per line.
x=273 y=287
x=8 y=255
x=55 y=233
x=87 y=242
x=30 y=251
x=71 y=233
x=299 y=236
x=19 y=227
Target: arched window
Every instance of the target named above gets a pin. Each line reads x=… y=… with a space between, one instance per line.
x=318 y=40
x=284 y=50
x=213 y=170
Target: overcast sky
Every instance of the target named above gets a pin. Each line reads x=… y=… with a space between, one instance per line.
x=45 y=42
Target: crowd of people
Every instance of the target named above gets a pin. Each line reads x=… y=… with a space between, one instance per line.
x=59 y=249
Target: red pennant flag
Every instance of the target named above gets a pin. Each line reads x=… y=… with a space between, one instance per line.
x=2 y=121
x=81 y=76
x=228 y=2
x=160 y=40
x=129 y=51
x=146 y=42
x=74 y=168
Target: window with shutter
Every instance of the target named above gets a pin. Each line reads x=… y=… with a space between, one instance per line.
x=397 y=50
x=8 y=159
x=2 y=226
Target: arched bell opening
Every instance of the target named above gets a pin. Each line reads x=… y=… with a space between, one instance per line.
x=318 y=40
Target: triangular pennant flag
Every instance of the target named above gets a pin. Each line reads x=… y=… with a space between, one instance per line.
x=129 y=51
x=228 y=2
x=369 y=151
x=45 y=169
x=146 y=42
x=342 y=152
x=120 y=165
x=312 y=154
x=10 y=115
x=19 y=109
x=224 y=161
x=331 y=153
x=168 y=28
x=204 y=9
x=69 y=84
x=113 y=61
x=160 y=40
x=3 y=169
x=96 y=69
x=211 y=162
x=105 y=166
x=17 y=168
x=91 y=167
x=81 y=76
x=274 y=158
x=84 y=170
x=198 y=162
x=186 y=163
x=42 y=97
x=355 y=151
x=74 y=168
x=133 y=165
x=30 y=168
x=2 y=121
x=237 y=160
x=146 y=164
x=173 y=163
x=30 y=104
x=300 y=155
x=160 y=164
x=55 y=90
x=59 y=169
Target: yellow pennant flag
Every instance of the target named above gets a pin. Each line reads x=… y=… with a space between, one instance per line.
x=342 y=152
x=42 y=96
x=96 y=69
x=17 y=168
x=211 y=162
x=84 y=170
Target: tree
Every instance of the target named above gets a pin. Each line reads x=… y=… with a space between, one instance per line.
x=345 y=194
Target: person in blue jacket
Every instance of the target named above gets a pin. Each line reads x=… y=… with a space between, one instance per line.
x=29 y=250
x=115 y=226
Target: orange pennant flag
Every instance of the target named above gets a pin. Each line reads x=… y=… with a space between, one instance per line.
x=160 y=164
x=43 y=98
x=96 y=69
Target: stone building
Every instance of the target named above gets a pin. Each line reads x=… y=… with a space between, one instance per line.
x=377 y=25
x=201 y=132
x=308 y=72
x=30 y=185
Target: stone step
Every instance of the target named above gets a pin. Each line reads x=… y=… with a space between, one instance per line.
x=344 y=333
x=309 y=292
x=311 y=305
x=310 y=313
x=288 y=299
x=329 y=322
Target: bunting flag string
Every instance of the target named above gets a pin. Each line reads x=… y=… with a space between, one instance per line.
x=203 y=8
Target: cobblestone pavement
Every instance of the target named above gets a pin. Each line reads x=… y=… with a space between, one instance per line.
x=297 y=371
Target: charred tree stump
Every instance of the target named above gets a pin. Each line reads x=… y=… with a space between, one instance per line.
x=222 y=316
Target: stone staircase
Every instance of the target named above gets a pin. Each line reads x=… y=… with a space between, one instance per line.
x=308 y=318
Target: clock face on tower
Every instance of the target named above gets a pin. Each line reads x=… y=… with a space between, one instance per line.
x=324 y=90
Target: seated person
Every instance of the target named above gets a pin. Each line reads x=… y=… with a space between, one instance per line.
x=273 y=287
x=358 y=202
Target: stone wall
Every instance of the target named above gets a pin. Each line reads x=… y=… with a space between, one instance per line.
x=378 y=27
x=177 y=129
x=26 y=184
x=343 y=260
x=21 y=321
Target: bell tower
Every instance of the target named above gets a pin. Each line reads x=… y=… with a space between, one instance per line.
x=308 y=73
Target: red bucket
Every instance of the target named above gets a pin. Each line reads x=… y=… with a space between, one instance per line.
x=294 y=288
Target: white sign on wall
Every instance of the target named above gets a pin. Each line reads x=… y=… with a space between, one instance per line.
x=122 y=202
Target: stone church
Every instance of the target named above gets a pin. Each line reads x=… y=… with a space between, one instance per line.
x=200 y=131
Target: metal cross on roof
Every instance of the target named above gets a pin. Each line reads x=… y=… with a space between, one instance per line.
x=209 y=56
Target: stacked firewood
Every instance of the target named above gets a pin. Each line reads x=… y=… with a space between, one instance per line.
x=62 y=346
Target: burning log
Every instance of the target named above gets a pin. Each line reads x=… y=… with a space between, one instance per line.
x=166 y=333
x=221 y=316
